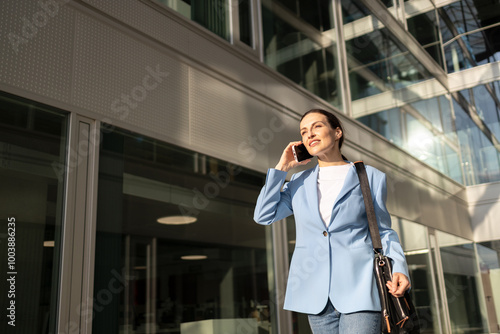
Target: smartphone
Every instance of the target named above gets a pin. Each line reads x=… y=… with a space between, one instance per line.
x=300 y=153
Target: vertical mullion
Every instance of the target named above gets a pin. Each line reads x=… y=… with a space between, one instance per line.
x=78 y=237
x=90 y=226
x=342 y=63
x=63 y=316
x=280 y=268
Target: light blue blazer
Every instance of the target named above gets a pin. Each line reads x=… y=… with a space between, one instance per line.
x=334 y=262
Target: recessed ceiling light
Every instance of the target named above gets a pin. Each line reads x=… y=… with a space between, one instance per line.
x=193 y=257
x=177 y=220
x=48 y=243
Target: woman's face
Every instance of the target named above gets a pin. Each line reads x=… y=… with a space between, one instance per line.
x=317 y=134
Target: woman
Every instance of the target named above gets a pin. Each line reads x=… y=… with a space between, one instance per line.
x=331 y=272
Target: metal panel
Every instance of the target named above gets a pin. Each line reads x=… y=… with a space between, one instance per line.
x=128 y=81
x=36 y=47
x=223 y=118
x=149 y=18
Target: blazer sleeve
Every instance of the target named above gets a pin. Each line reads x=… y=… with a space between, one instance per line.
x=390 y=240
x=272 y=203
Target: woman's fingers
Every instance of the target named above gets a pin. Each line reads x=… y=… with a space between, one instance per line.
x=399 y=285
x=287 y=160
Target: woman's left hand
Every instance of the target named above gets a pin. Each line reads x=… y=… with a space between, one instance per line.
x=399 y=285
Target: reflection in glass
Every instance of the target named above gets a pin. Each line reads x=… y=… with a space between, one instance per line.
x=462 y=284
x=413 y=238
x=487 y=105
x=212 y=14
x=489 y=262
x=469 y=33
x=378 y=63
x=429 y=129
x=295 y=46
x=426 y=31
x=480 y=157
x=245 y=19
x=173 y=278
x=387 y=123
x=32 y=159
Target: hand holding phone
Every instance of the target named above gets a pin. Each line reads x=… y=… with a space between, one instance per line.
x=300 y=153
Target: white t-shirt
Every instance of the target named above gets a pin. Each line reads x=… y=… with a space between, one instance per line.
x=330 y=182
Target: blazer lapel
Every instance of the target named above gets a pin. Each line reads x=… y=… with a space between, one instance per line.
x=311 y=186
x=351 y=181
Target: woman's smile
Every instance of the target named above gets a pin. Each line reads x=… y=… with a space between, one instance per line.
x=313 y=142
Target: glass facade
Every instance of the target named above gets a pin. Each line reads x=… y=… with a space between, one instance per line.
x=32 y=155
x=191 y=256
x=469 y=33
x=424 y=27
x=297 y=43
x=428 y=130
x=211 y=14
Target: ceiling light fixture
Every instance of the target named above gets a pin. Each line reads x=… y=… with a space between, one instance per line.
x=193 y=257
x=177 y=220
x=48 y=243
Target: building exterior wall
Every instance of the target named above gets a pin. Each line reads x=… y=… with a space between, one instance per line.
x=191 y=88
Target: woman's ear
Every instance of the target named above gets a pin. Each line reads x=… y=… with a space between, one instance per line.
x=338 y=133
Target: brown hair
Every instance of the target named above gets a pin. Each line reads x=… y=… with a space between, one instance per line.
x=332 y=120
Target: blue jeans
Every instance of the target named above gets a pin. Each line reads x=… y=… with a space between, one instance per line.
x=330 y=321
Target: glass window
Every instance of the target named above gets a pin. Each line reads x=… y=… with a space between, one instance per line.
x=469 y=33
x=387 y=123
x=377 y=63
x=177 y=228
x=448 y=118
x=487 y=108
x=315 y=13
x=353 y=10
x=426 y=31
x=453 y=164
x=245 y=18
x=461 y=280
x=292 y=47
x=489 y=262
x=480 y=158
x=32 y=159
x=413 y=238
x=212 y=14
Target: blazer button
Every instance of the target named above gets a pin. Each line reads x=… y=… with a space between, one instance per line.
x=325 y=233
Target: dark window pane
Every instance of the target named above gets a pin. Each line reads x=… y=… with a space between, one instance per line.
x=245 y=17
x=32 y=160
x=211 y=269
